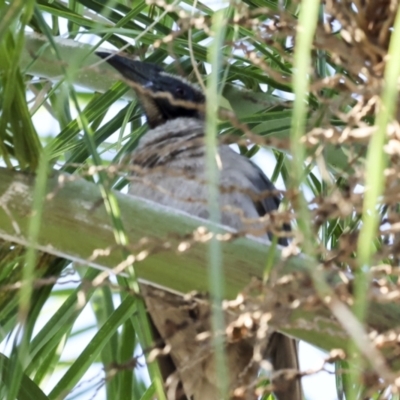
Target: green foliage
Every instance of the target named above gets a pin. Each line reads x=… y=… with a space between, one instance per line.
x=320 y=142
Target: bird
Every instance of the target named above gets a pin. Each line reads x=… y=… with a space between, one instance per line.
x=171 y=170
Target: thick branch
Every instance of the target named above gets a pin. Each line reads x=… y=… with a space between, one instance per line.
x=75 y=224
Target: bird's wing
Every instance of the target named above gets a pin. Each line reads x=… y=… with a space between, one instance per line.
x=260 y=196
x=269 y=202
x=250 y=176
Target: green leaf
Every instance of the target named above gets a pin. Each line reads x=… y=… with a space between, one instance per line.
x=28 y=390
x=92 y=351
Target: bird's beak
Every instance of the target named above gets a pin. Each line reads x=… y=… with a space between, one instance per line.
x=141 y=73
x=143 y=79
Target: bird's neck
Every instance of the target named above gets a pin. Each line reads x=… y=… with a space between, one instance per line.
x=173 y=131
x=170 y=141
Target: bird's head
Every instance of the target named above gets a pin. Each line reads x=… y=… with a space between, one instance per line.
x=163 y=96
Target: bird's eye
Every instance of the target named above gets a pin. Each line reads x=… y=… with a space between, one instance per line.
x=180 y=92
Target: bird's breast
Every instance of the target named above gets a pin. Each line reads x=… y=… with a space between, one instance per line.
x=174 y=175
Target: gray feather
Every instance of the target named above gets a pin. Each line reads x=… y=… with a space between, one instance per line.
x=172 y=158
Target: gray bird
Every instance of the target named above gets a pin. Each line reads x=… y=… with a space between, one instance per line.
x=170 y=170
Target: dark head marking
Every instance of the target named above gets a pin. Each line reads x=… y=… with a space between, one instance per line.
x=163 y=96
